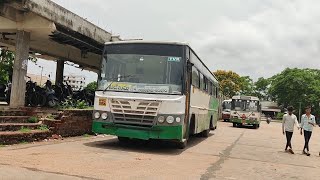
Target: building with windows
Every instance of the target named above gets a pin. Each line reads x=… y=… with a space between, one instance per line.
x=75 y=81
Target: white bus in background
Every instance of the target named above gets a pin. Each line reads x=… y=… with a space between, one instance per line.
x=154 y=90
x=226 y=109
x=245 y=110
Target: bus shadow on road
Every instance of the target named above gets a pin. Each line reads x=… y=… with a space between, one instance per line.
x=150 y=147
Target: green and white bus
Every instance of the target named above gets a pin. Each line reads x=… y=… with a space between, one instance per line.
x=245 y=110
x=154 y=90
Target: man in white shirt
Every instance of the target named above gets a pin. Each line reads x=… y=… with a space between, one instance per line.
x=288 y=122
x=308 y=121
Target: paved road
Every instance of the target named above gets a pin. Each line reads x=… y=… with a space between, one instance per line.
x=229 y=153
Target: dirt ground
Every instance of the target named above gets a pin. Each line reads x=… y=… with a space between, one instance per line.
x=229 y=153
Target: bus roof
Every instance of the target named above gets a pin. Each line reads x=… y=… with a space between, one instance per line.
x=253 y=98
x=148 y=42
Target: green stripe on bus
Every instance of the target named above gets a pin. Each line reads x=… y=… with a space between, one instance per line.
x=155 y=132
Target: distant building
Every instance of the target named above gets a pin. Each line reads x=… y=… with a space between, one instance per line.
x=75 y=81
x=270 y=108
x=37 y=78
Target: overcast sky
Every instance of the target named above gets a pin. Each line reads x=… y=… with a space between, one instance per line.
x=251 y=37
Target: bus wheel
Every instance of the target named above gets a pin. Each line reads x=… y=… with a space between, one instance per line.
x=255 y=126
x=234 y=124
x=205 y=133
x=123 y=139
x=183 y=144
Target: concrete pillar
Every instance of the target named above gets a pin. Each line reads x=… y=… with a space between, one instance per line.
x=59 y=71
x=20 y=68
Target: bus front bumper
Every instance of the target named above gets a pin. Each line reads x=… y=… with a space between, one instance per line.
x=245 y=122
x=134 y=132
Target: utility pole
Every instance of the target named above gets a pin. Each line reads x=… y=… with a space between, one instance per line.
x=41 y=74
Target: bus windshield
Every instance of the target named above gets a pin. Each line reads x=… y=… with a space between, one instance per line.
x=226 y=105
x=142 y=68
x=244 y=105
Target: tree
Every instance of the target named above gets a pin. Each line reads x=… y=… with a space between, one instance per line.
x=295 y=86
x=261 y=88
x=247 y=86
x=230 y=82
x=92 y=86
x=6 y=65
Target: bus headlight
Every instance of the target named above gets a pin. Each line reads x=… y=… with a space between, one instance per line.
x=161 y=119
x=178 y=119
x=97 y=115
x=170 y=119
x=104 y=116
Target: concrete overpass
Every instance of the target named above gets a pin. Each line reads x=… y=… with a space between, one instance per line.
x=46 y=30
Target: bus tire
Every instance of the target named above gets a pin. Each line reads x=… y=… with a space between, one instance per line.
x=234 y=124
x=211 y=124
x=123 y=139
x=205 y=133
x=255 y=126
x=182 y=145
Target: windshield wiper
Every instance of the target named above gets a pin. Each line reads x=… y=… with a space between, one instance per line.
x=127 y=76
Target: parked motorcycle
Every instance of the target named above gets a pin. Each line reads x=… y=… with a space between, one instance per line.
x=84 y=95
x=5 y=92
x=51 y=99
x=35 y=95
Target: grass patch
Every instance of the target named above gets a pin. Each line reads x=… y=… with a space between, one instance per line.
x=1 y=146
x=33 y=120
x=25 y=130
x=23 y=142
x=43 y=127
x=51 y=116
x=86 y=135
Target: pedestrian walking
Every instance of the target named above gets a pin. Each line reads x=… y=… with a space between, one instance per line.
x=308 y=121
x=289 y=120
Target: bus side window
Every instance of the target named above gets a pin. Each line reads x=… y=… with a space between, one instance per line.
x=195 y=77
x=217 y=91
x=205 y=84
x=201 y=81
x=210 y=87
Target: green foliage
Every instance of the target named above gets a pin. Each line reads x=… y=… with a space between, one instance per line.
x=279 y=115
x=72 y=104
x=25 y=130
x=295 y=86
x=86 y=135
x=6 y=65
x=43 y=127
x=247 y=86
x=230 y=82
x=261 y=88
x=92 y=86
x=33 y=120
x=81 y=104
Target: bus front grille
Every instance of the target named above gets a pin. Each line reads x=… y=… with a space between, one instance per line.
x=134 y=112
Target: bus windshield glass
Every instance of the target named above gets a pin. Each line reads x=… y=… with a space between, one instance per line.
x=142 y=68
x=226 y=105
x=244 y=105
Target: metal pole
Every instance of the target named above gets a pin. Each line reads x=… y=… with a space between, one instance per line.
x=41 y=75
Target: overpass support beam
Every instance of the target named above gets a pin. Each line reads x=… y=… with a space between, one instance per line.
x=20 y=68
x=59 y=71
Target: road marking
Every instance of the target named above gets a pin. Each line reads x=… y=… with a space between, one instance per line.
x=223 y=156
